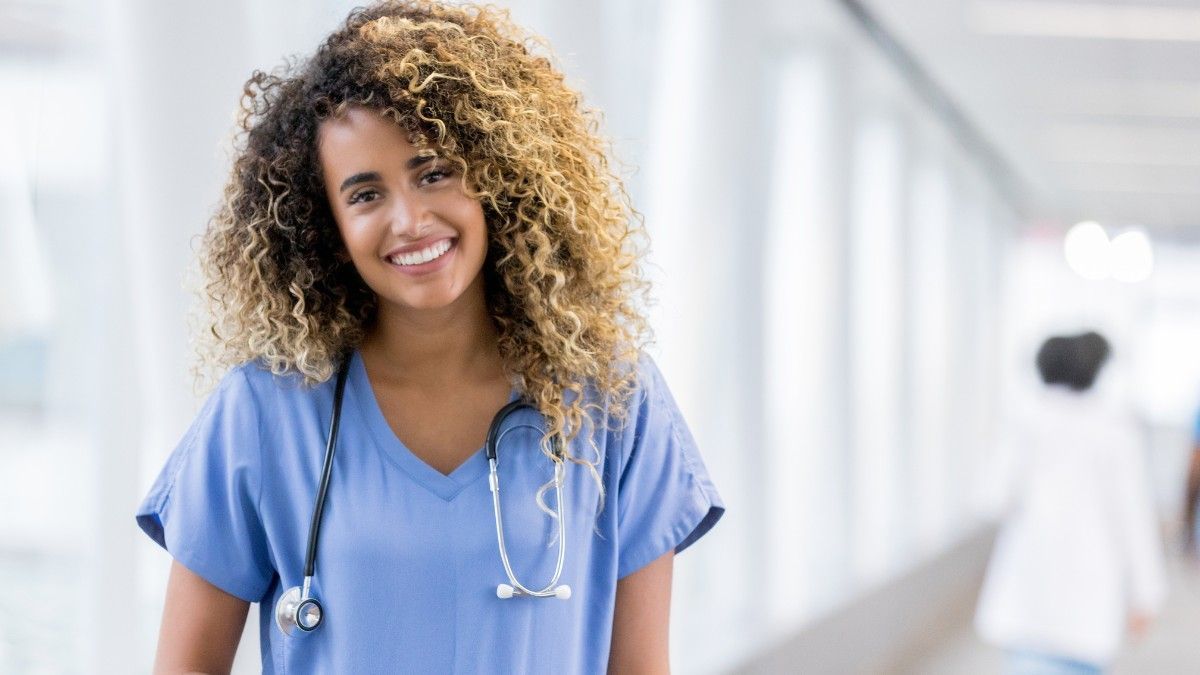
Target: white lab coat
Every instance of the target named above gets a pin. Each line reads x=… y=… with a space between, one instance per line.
x=1079 y=546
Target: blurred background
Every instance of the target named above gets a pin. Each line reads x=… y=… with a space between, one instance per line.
x=859 y=214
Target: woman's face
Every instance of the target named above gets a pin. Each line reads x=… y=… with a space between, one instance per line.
x=415 y=237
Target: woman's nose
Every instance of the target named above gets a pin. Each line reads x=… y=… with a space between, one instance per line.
x=408 y=217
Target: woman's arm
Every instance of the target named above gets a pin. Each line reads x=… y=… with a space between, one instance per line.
x=201 y=626
x=641 y=621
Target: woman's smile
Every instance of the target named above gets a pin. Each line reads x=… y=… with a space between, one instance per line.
x=426 y=261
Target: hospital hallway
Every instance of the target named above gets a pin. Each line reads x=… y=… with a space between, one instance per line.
x=917 y=273
x=921 y=624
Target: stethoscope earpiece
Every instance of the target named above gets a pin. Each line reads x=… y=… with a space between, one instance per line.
x=504 y=592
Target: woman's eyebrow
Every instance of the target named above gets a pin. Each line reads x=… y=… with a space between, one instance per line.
x=418 y=160
x=364 y=177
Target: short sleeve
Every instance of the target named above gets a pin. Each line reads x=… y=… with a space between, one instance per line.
x=203 y=506
x=665 y=497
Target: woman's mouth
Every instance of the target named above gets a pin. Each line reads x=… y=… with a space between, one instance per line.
x=429 y=259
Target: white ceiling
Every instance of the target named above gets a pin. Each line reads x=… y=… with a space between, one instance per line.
x=1095 y=104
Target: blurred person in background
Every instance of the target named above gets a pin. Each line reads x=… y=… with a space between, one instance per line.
x=1078 y=560
x=423 y=209
x=1191 y=502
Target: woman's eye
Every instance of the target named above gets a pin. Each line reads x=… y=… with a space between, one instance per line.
x=433 y=176
x=363 y=196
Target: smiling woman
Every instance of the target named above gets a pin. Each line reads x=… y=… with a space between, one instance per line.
x=424 y=209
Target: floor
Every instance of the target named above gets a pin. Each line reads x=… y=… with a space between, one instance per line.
x=1171 y=646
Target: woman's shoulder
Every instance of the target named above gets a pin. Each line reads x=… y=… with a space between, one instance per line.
x=646 y=400
x=651 y=386
x=255 y=382
x=261 y=372
x=252 y=401
x=646 y=379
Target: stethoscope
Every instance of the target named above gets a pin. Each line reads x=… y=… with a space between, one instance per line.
x=297 y=608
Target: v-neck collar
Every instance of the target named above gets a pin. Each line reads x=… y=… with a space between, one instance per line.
x=445 y=486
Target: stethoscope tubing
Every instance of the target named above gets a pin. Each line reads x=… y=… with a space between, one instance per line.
x=560 y=517
x=314 y=530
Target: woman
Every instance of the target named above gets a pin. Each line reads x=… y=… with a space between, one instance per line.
x=424 y=208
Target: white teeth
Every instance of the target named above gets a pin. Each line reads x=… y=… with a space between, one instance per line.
x=423 y=256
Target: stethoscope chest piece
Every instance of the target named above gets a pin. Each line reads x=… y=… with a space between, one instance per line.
x=295 y=611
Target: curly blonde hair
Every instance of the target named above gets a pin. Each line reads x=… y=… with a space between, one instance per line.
x=562 y=273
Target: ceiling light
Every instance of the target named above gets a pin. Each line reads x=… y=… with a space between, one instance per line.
x=1132 y=257
x=1086 y=249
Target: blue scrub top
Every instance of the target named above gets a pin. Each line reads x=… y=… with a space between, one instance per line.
x=407 y=563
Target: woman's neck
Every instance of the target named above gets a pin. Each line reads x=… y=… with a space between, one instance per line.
x=438 y=349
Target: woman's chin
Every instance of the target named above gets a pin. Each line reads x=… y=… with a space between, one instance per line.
x=423 y=302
